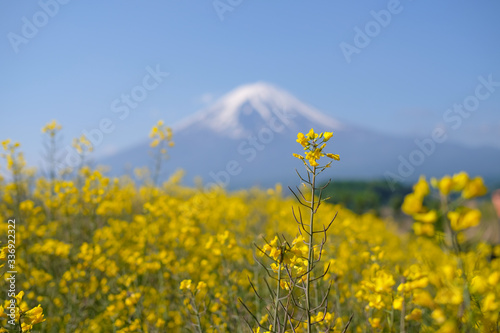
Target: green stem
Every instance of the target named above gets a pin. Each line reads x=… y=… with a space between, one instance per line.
x=197 y=313
x=159 y=156
x=311 y=253
x=276 y=302
x=20 y=324
x=402 y=325
x=461 y=265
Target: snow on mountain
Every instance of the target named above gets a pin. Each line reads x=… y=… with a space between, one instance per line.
x=237 y=114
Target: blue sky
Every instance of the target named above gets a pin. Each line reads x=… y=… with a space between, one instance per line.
x=86 y=54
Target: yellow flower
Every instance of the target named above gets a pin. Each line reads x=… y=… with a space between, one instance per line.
x=5 y=144
x=474 y=188
x=313 y=163
x=489 y=303
x=494 y=278
x=444 y=185
x=333 y=156
x=398 y=303
x=439 y=316
x=451 y=295
x=51 y=128
x=464 y=218
x=460 y=180
x=421 y=188
x=19 y=297
x=298 y=156
x=160 y=133
x=302 y=139
x=423 y=229
x=478 y=285
x=429 y=217
x=2 y=313
x=448 y=327
x=311 y=135
x=327 y=136
x=82 y=145
x=185 y=285
x=374 y=322
x=201 y=286
x=423 y=298
x=313 y=156
x=154 y=130
x=384 y=282
x=34 y=316
x=412 y=204
x=416 y=315
x=154 y=143
x=3 y=253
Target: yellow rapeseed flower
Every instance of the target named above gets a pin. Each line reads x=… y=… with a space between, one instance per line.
x=444 y=185
x=374 y=322
x=448 y=327
x=478 y=285
x=423 y=229
x=34 y=316
x=302 y=139
x=464 y=218
x=311 y=135
x=439 y=316
x=490 y=303
x=298 y=156
x=5 y=144
x=154 y=143
x=398 y=303
x=412 y=204
x=327 y=136
x=333 y=156
x=460 y=180
x=474 y=188
x=429 y=217
x=415 y=315
x=19 y=297
x=421 y=188
x=51 y=128
x=185 y=285
x=314 y=147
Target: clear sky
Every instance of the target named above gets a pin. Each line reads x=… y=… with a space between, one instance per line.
x=73 y=60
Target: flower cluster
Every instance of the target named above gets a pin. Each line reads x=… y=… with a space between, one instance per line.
x=314 y=144
x=52 y=128
x=82 y=145
x=453 y=191
x=161 y=133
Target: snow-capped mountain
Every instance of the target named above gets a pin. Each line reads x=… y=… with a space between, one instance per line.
x=239 y=113
x=247 y=137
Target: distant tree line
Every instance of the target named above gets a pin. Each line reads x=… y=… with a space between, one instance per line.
x=363 y=196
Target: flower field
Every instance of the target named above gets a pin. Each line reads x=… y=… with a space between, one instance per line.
x=99 y=254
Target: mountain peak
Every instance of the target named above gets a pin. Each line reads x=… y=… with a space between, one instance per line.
x=249 y=106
